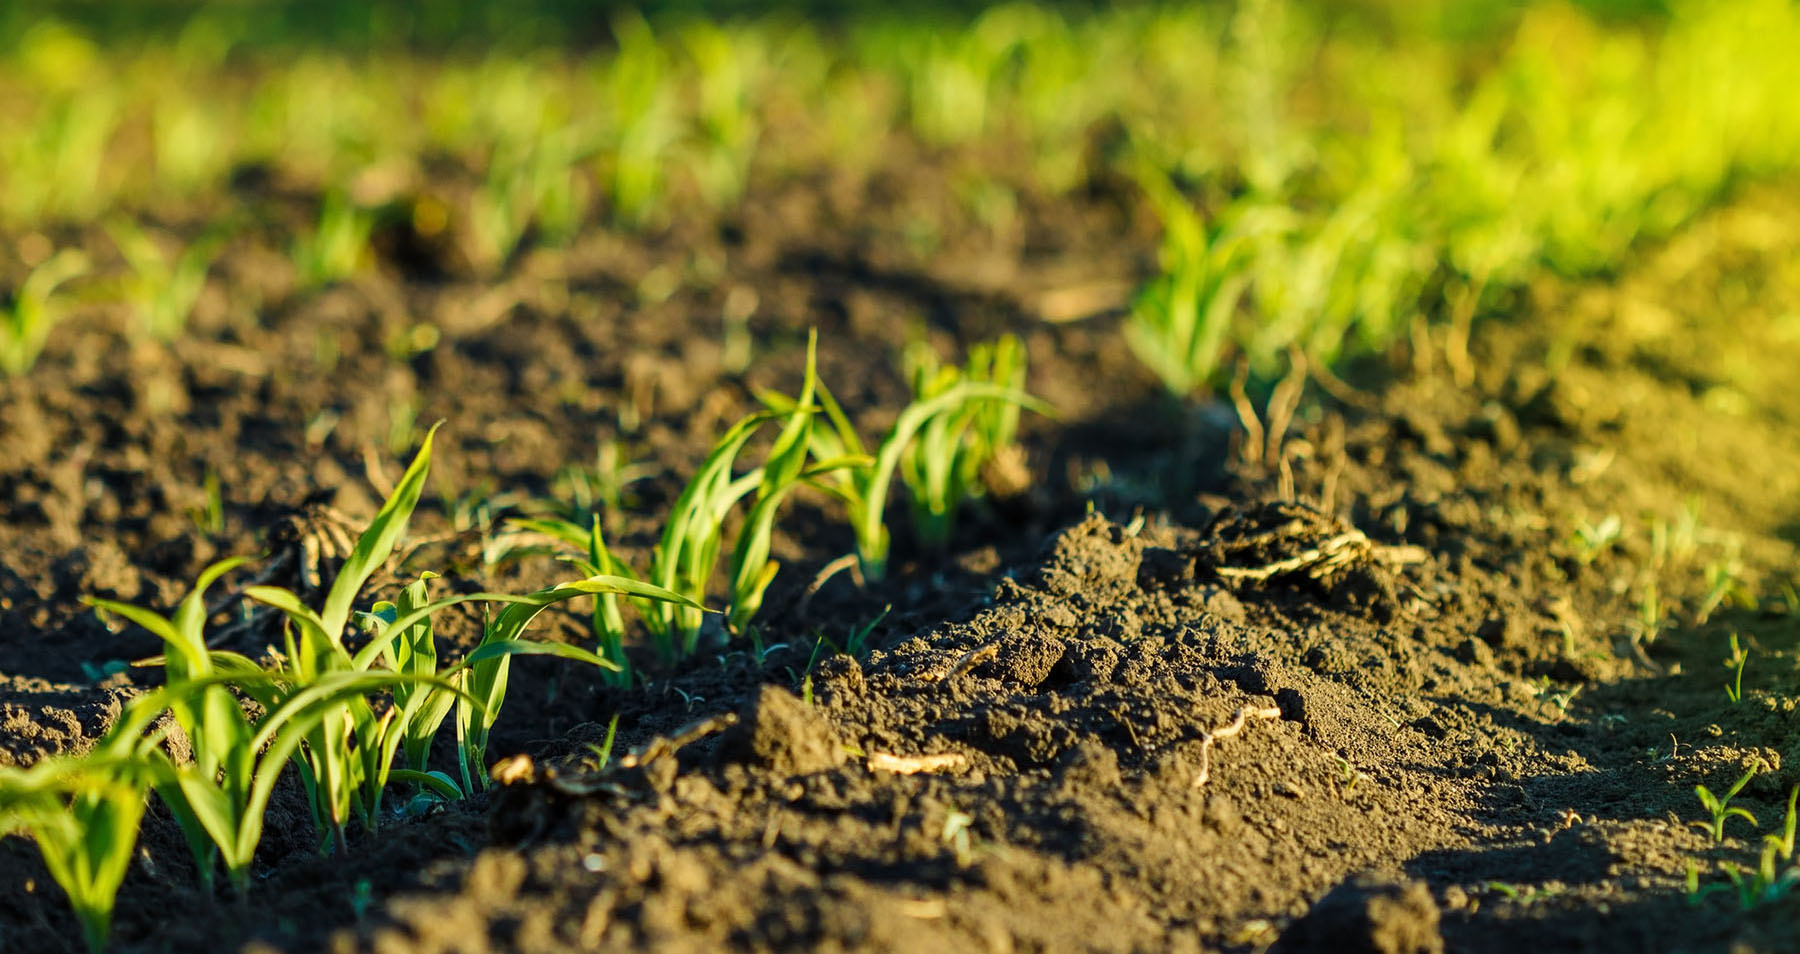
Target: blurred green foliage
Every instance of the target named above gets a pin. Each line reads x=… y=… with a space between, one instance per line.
x=1365 y=164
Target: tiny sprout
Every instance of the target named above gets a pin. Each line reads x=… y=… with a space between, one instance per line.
x=1720 y=807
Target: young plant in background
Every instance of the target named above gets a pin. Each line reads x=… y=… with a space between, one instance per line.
x=1180 y=322
x=946 y=467
x=643 y=122
x=163 y=287
x=338 y=247
x=28 y=315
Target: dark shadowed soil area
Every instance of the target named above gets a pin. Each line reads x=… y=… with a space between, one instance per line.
x=1428 y=661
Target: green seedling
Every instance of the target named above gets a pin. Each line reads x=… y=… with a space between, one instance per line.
x=603 y=751
x=163 y=287
x=1181 y=321
x=1724 y=586
x=863 y=487
x=944 y=468
x=1763 y=884
x=1784 y=843
x=784 y=470
x=214 y=797
x=481 y=677
x=685 y=560
x=1720 y=807
x=84 y=815
x=1649 y=622
x=1739 y=656
x=28 y=315
x=338 y=246
x=412 y=651
x=1591 y=540
x=346 y=763
x=856 y=642
x=531 y=186
x=340 y=760
x=644 y=122
x=687 y=556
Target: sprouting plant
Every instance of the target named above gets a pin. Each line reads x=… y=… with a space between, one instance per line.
x=863 y=487
x=1720 y=806
x=339 y=761
x=1735 y=662
x=856 y=642
x=1180 y=321
x=1590 y=540
x=28 y=315
x=421 y=706
x=480 y=678
x=1768 y=881
x=693 y=536
x=337 y=246
x=209 y=517
x=1724 y=584
x=1649 y=622
x=603 y=751
x=84 y=815
x=163 y=287
x=643 y=122
x=1784 y=843
x=944 y=468
x=219 y=796
x=592 y=490
x=346 y=763
x=1760 y=885
x=784 y=470
x=531 y=184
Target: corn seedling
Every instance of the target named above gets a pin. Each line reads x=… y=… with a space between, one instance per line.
x=784 y=470
x=863 y=487
x=1720 y=807
x=481 y=677
x=856 y=642
x=644 y=122
x=944 y=468
x=530 y=185
x=1180 y=322
x=1724 y=586
x=163 y=287
x=338 y=246
x=1591 y=540
x=1739 y=656
x=346 y=763
x=1760 y=885
x=84 y=814
x=603 y=751
x=27 y=317
x=1784 y=843
x=693 y=537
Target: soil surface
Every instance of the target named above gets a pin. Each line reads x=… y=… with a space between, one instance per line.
x=1432 y=663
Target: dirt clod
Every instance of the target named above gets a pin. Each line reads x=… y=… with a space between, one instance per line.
x=1368 y=915
x=779 y=733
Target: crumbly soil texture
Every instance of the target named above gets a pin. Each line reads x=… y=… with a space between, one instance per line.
x=1429 y=660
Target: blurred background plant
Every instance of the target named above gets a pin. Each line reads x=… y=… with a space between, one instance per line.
x=1325 y=174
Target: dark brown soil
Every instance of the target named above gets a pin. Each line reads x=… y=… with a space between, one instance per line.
x=1364 y=689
